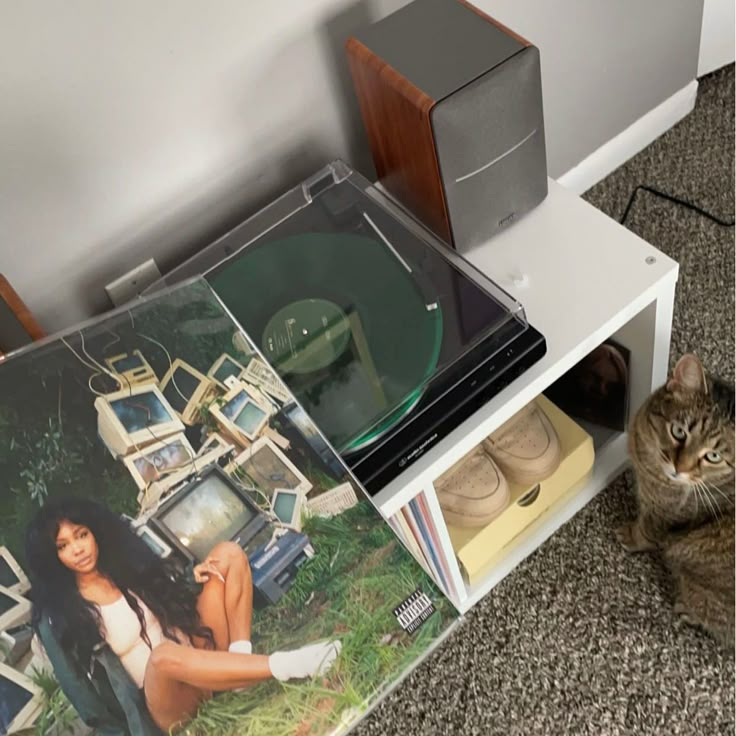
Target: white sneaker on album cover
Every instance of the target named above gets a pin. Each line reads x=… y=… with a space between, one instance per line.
x=307 y=661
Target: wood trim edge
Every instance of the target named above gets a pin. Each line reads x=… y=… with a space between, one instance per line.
x=19 y=308
x=362 y=60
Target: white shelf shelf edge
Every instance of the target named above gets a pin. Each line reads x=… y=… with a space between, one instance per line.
x=611 y=460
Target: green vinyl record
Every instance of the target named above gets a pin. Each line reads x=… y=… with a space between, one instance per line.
x=344 y=321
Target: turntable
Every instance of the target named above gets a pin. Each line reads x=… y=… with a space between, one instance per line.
x=388 y=338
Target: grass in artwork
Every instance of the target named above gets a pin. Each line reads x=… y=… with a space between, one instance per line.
x=347 y=590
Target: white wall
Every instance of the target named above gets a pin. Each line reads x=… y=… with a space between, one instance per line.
x=146 y=128
x=604 y=64
x=717 y=42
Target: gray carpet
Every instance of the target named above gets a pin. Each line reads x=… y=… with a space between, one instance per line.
x=581 y=639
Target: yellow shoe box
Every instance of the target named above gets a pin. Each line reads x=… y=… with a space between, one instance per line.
x=475 y=548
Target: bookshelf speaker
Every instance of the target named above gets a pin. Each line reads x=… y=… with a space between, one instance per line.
x=452 y=104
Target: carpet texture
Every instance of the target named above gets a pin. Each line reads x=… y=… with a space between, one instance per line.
x=581 y=638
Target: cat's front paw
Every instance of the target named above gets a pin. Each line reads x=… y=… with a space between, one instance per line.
x=625 y=536
x=630 y=538
x=684 y=615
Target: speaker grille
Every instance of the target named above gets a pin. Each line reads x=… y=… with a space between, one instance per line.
x=491 y=151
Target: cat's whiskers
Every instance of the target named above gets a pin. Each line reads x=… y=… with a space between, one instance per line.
x=709 y=498
x=699 y=493
x=709 y=488
x=696 y=496
x=714 y=487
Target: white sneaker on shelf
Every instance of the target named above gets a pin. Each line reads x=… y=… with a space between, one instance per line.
x=473 y=491
x=526 y=447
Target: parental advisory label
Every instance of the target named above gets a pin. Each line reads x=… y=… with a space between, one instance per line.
x=414 y=611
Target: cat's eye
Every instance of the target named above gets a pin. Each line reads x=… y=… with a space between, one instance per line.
x=678 y=432
x=713 y=456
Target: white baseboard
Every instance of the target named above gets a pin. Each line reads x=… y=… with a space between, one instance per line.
x=630 y=141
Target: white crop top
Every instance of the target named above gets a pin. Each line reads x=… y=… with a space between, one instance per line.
x=122 y=632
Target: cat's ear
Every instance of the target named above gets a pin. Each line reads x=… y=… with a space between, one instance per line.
x=688 y=374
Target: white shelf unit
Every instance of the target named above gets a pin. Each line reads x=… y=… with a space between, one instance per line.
x=581 y=278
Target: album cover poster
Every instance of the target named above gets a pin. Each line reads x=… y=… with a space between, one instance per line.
x=180 y=550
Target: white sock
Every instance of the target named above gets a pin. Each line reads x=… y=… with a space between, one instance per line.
x=241 y=646
x=310 y=660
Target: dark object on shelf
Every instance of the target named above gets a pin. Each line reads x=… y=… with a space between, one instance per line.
x=597 y=388
x=18 y=327
x=452 y=104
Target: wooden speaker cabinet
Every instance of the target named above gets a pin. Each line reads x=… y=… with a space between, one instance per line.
x=452 y=105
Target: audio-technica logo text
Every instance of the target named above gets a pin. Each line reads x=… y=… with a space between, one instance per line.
x=417 y=451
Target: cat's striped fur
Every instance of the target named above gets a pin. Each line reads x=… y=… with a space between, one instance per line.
x=682 y=448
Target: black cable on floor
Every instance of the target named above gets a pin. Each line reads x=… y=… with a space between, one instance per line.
x=676 y=200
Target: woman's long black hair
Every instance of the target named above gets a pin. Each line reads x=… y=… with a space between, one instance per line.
x=124 y=558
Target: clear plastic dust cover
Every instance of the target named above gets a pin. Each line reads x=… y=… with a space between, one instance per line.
x=359 y=308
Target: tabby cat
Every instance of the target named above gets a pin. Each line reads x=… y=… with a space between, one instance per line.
x=682 y=447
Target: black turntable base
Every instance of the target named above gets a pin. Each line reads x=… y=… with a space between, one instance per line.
x=386 y=337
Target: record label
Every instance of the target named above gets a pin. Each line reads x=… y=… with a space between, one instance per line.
x=306 y=336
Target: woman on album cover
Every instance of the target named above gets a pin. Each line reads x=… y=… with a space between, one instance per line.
x=131 y=640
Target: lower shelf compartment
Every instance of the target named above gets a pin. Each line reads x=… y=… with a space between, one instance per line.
x=476 y=547
x=609 y=463
x=610 y=460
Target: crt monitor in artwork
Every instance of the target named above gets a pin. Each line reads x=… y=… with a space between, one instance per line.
x=133 y=368
x=154 y=541
x=266 y=467
x=12 y=576
x=140 y=412
x=245 y=414
x=180 y=388
x=186 y=390
x=287 y=507
x=224 y=367
x=14 y=609
x=126 y=363
x=135 y=417
x=20 y=700
x=209 y=510
x=160 y=460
